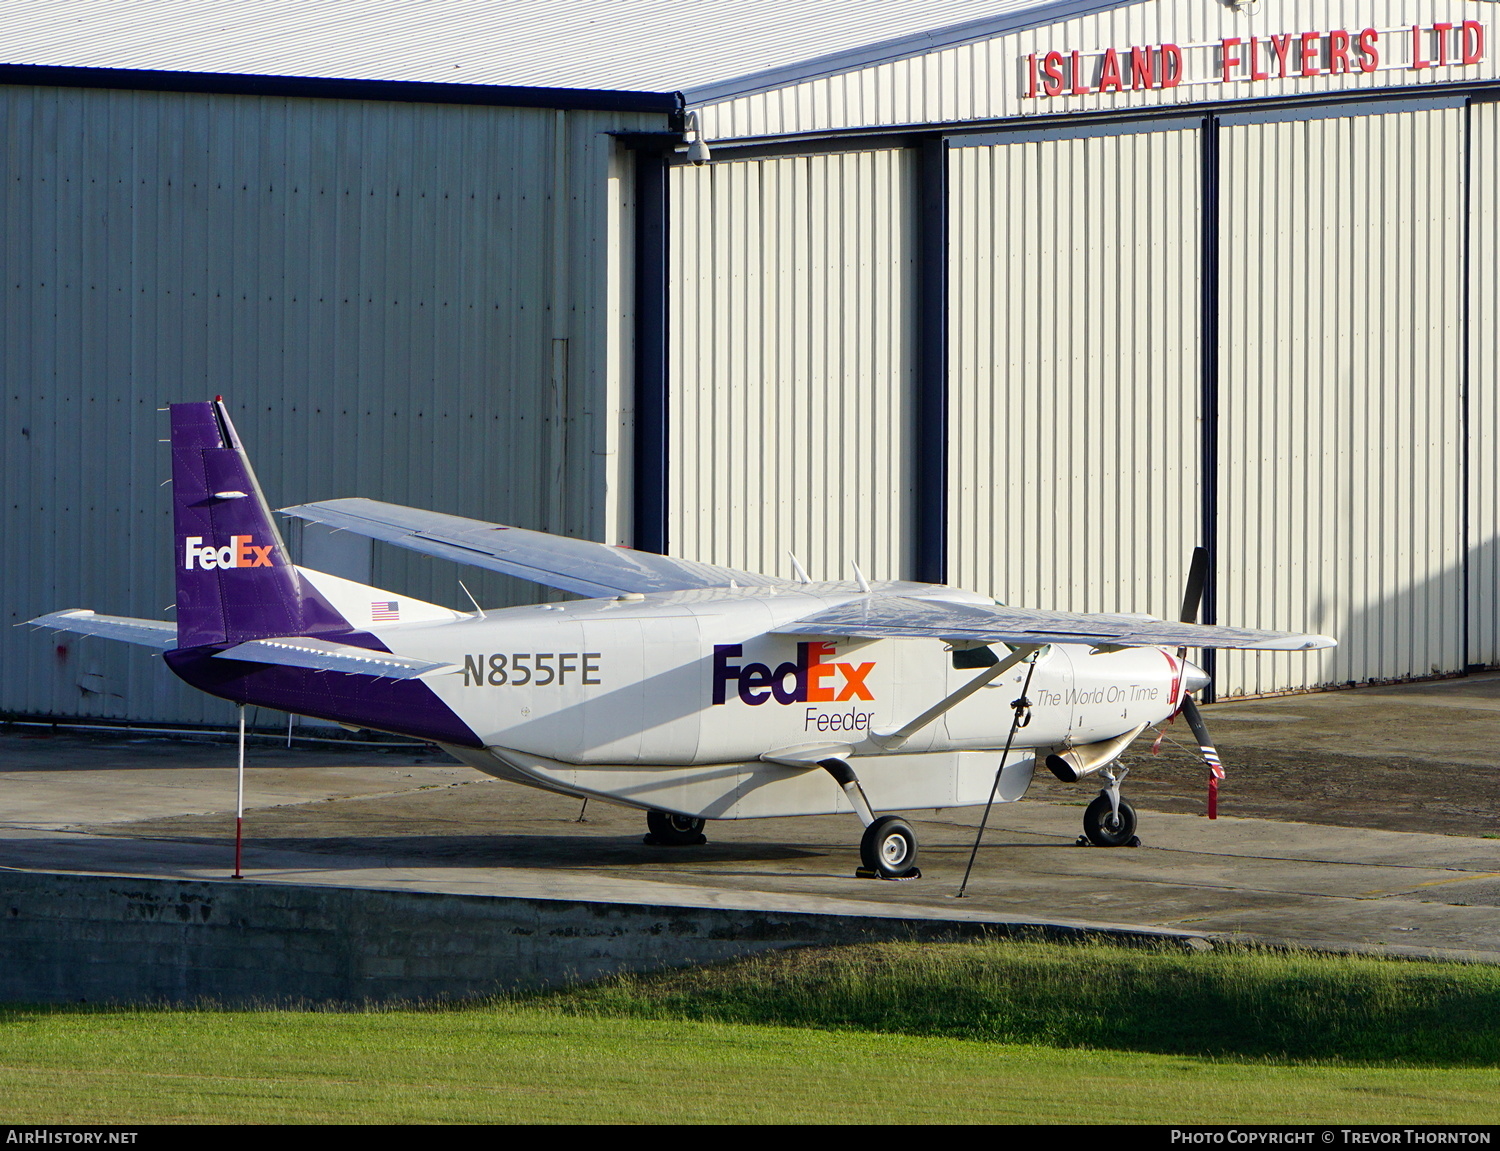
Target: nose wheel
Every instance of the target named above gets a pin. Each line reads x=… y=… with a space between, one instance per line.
x=1104 y=827
x=1109 y=821
x=667 y=830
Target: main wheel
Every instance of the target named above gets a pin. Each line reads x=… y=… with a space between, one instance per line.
x=670 y=830
x=1103 y=829
x=889 y=847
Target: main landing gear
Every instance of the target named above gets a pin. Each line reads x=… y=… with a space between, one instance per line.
x=1109 y=821
x=667 y=830
x=888 y=849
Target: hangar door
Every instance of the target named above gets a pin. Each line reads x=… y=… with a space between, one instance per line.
x=792 y=348
x=1341 y=427
x=1074 y=366
x=1483 y=541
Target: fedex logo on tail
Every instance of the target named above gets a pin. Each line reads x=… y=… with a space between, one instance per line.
x=240 y=552
x=810 y=678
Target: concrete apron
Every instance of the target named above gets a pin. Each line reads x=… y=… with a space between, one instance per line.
x=307 y=927
x=385 y=879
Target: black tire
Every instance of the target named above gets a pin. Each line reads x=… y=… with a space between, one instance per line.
x=670 y=830
x=889 y=847
x=1103 y=830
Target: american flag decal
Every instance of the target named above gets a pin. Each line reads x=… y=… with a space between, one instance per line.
x=385 y=609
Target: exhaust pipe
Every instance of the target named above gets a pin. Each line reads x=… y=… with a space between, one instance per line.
x=1075 y=763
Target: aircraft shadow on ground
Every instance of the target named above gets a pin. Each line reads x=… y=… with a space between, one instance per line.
x=542 y=851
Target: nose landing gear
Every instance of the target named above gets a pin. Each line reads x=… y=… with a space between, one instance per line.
x=1105 y=827
x=1109 y=821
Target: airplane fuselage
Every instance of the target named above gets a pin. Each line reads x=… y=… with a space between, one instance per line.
x=689 y=702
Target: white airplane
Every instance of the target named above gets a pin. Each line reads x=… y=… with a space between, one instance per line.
x=692 y=691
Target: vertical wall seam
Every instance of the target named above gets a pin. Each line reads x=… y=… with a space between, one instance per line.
x=651 y=369
x=931 y=457
x=1466 y=533
x=1208 y=343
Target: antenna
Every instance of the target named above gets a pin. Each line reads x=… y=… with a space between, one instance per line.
x=859 y=578
x=472 y=600
x=798 y=570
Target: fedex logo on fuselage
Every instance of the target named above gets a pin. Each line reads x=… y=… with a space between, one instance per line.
x=810 y=678
x=240 y=552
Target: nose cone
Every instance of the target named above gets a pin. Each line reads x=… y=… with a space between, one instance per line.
x=1194 y=678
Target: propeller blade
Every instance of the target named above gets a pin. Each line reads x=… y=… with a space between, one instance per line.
x=1192 y=595
x=1192 y=600
x=1207 y=750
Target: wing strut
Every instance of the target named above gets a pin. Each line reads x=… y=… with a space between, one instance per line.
x=1022 y=708
x=891 y=739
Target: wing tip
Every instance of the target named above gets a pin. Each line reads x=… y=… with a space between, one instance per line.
x=65 y=613
x=1289 y=642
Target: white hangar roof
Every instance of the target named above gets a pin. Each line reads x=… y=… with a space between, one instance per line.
x=750 y=68
x=707 y=49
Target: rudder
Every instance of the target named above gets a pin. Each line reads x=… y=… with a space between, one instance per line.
x=235 y=581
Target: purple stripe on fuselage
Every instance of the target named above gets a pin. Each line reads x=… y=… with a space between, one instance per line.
x=399 y=706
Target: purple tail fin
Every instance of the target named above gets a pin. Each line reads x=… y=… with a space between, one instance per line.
x=234 y=579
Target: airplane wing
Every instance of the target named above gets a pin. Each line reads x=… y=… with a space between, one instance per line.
x=581 y=566
x=879 y=617
x=147 y=632
x=323 y=655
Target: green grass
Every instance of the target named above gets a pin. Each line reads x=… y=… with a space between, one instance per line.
x=1259 y=1004
x=529 y=1065
x=994 y=1032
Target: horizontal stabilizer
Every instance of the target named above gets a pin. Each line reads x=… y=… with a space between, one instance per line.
x=323 y=655
x=146 y=632
x=580 y=566
x=879 y=617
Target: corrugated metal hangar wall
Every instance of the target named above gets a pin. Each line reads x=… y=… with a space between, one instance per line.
x=792 y=363
x=1076 y=465
x=1270 y=330
x=1033 y=309
x=399 y=300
